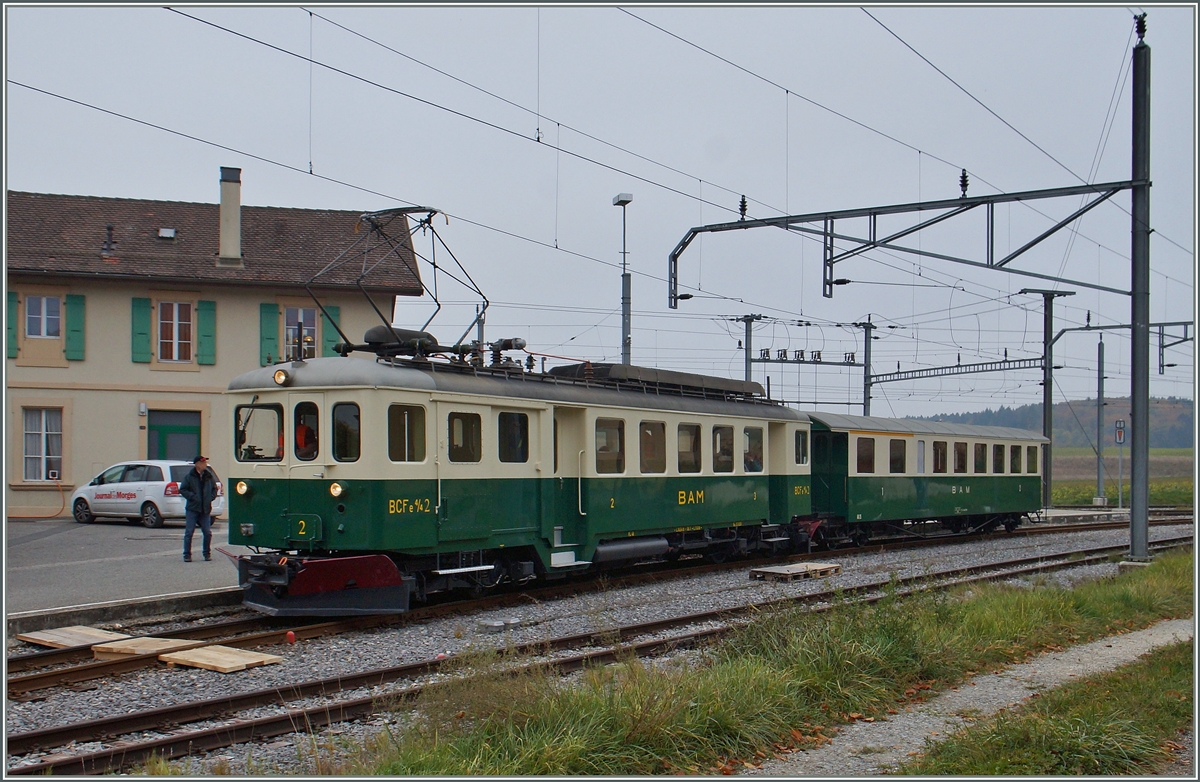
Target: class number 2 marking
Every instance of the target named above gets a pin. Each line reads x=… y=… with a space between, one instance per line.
x=303 y=525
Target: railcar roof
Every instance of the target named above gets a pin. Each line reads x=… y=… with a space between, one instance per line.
x=351 y=372
x=838 y=422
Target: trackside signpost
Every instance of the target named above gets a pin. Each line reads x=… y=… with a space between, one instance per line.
x=1120 y=463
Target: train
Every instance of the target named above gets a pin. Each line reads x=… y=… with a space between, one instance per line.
x=364 y=486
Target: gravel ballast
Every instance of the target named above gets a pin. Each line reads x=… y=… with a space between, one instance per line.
x=350 y=653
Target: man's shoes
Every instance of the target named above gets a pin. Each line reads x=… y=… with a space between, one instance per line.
x=208 y=558
x=187 y=559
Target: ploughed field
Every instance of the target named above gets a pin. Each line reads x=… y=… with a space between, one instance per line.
x=1080 y=463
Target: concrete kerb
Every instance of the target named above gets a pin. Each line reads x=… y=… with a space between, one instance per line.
x=119 y=610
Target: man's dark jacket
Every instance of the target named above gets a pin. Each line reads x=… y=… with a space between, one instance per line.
x=199 y=489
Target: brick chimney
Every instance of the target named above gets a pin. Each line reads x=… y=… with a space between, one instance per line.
x=230 y=249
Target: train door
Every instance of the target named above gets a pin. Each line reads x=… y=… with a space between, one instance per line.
x=306 y=446
x=564 y=523
x=466 y=467
x=830 y=471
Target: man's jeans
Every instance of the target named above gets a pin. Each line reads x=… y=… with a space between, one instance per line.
x=205 y=522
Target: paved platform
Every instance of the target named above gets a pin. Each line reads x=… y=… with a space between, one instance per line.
x=58 y=563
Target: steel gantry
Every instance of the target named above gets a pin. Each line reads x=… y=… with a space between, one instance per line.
x=823 y=224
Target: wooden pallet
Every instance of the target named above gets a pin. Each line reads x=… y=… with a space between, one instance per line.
x=223 y=659
x=119 y=650
x=77 y=635
x=794 y=572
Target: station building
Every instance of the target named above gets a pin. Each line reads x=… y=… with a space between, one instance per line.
x=127 y=318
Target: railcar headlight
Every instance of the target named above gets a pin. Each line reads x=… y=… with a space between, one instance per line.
x=282 y=377
x=336 y=489
x=241 y=487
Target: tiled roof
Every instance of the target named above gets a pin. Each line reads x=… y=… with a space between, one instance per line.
x=65 y=236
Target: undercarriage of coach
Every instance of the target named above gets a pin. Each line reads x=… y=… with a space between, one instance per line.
x=832 y=532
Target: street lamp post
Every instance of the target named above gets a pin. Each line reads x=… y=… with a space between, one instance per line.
x=622 y=200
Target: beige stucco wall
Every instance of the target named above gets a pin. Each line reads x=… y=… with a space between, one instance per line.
x=100 y=395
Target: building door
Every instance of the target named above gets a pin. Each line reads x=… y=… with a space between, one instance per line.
x=173 y=434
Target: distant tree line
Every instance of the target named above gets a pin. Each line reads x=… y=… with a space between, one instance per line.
x=1075 y=421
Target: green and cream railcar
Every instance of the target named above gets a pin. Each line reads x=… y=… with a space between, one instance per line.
x=363 y=484
x=870 y=473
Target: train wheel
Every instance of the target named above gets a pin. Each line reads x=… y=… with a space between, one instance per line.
x=1011 y=524
x=861 y=537
x=82 y=513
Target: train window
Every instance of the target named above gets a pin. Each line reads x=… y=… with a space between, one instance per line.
x=752 y=453
x=610 y=445
x=997 y=458
x=939 y=456
x=897 y=456
x=1031 y=454
x=466 y=437
x=722 y=448
x=980 y=457
x=801 y=447
x=689 y=447
x=305 y=424
x=653 y=437
x=866 y=454
x=258 y=433
x=514 y=437
x=347 y=435
x=406 y=433
x=1014 y=459
x=960 y=457
x=921 y=457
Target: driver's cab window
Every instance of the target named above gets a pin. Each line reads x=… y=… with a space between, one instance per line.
x=306 y=431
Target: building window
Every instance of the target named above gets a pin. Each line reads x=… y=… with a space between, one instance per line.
x=43 y=443
x=653 y=446
x=610 y=445
x=406 y=433
x=300 y=333
x=897 y=451
x=174 y=331
x=866 y=455
x=514 y=437
x=42 y=317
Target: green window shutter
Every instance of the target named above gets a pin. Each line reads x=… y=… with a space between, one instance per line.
x=206 y=332
x=329 y=334
x=268 y=334
x=142 y=315
x=75 y=342
x=12 y=324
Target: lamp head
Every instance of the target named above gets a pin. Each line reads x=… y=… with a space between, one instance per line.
x=621 y=199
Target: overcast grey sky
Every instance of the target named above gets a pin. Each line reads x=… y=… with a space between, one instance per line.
x=800 y=109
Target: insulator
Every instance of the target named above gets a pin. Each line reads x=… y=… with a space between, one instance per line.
x=742 y=208
x=963 y=181
x=1141 y=26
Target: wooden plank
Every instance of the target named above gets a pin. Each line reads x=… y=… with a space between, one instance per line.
x=77 y=635
x=794 y=572
x=119 y=650
x=223 y=659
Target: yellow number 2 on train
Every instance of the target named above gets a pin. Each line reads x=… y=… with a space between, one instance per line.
x=302 y=527
x=612 y=502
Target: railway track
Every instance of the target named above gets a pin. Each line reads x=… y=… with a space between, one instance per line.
x=173 y=742
x=248 y=633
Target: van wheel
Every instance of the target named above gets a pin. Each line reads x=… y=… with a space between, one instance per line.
x=82 y=513
x=151 y=517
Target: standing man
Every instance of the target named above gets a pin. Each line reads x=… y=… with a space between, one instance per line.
x=199 y=488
